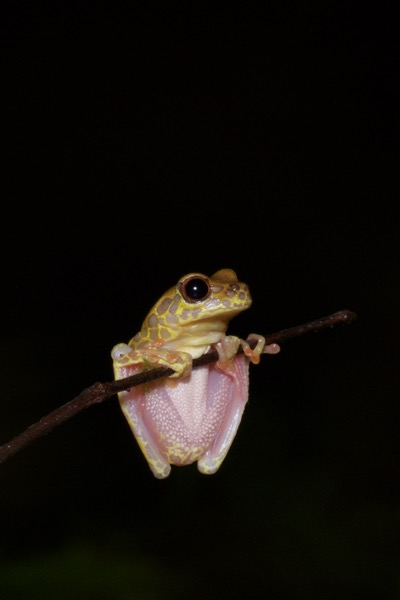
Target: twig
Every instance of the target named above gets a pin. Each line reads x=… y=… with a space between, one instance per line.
x=98 y=392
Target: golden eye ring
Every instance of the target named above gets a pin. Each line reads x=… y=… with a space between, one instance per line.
x=195 y=289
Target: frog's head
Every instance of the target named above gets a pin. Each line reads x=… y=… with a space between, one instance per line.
x=197 y=297
x=220 y=294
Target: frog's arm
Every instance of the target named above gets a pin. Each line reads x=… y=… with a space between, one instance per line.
x=154 y=354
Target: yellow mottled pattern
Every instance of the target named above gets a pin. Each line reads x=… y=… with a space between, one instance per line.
x=178 y=420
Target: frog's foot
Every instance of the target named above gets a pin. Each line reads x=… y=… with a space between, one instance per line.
x=228 y=347
x=260 y=348
x=253 y=353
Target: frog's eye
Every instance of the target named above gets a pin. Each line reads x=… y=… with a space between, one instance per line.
x=195 y=289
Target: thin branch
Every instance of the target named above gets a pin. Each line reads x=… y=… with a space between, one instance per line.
x=99 y=392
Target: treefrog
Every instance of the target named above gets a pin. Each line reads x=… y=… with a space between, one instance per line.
x=192 y=415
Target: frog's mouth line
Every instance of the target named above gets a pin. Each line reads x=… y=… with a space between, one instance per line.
x=226 y=306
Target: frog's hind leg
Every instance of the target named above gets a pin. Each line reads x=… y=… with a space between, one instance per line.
x=234 y=382
x=132 y=403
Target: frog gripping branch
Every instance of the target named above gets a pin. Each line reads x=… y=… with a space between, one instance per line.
x=192 y=416
x=182 y=382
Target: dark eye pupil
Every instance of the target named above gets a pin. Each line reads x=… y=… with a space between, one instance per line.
x=196 y=289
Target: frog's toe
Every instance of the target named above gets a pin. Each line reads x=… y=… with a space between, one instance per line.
x=272 y=349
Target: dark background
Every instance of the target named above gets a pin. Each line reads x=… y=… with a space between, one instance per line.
x=141 y=144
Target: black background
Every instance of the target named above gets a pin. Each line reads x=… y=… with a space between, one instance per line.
x=144 y=143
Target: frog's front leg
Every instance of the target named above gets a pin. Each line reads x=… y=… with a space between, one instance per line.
x=154 y=354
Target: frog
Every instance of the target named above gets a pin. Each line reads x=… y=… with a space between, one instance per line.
x=194 y=414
